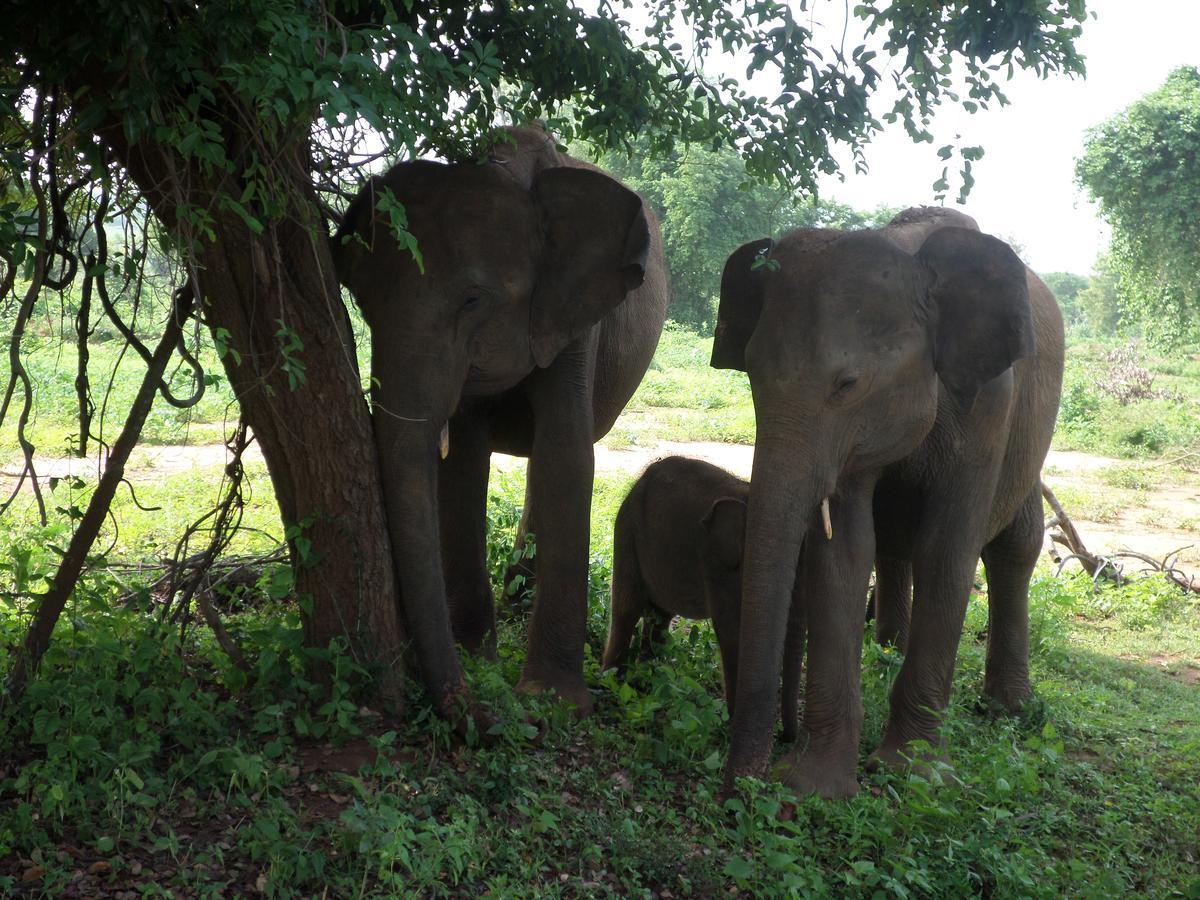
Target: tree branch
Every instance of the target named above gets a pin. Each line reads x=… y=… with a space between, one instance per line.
x=37 y=639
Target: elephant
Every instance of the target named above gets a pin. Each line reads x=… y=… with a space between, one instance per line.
x=677 y=551
x=521 y=322
x=905 y=385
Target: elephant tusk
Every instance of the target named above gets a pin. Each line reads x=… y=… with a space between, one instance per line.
x=826 y=520
x=444 y=441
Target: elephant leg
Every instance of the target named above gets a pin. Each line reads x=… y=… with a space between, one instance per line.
x=462 y=502
x=656 y=624
x=523 y=568
x=793 y=660
x=562 y=466
x=630 y=602
x=727 y=625
x=893 y=601
x=1010 y=558
x=835 y=574
x=945 y=558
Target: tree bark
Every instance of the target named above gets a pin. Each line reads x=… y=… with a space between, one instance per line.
x=314 y=428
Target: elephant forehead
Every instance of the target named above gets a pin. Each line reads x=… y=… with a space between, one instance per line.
x=867 y=283
x=474 y=236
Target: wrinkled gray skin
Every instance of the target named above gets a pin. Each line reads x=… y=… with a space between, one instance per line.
x=677 y=551
x=912 y=377
x=539 y=308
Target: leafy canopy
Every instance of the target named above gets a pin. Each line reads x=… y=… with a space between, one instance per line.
x=1142 y=167
x=1066 y=287
x=709 y=207
x=229 y=84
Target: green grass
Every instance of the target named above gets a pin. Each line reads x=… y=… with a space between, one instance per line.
x=54 y=427
x=1094 y=506
x=141 y=760
x=680 y=399
x=683 y=399
x=148 y=754
x=1091 y=421
x=1130 y=477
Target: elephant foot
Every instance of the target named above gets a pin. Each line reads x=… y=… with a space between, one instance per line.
x=570 y=688
x=918 y=756
x=467 y=716
x=481 y=645
x=806 y=772
x=1006 y=696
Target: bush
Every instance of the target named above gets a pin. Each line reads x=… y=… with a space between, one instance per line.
x=1128 y=380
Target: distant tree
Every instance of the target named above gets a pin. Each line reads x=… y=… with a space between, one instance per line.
x=709 y=206
x=1066 y=287
x=1099 y=303
x=1143 y=167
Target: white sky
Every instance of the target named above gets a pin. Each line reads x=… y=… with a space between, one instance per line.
x=1024 y=185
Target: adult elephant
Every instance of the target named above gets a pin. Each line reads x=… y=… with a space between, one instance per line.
x=522 y=323
x=905 y=386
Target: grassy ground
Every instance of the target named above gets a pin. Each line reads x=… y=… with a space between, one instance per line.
x=682 y=399
x=143 y=762
x=1094 y=421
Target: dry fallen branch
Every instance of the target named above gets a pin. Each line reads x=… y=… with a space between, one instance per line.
x=1167 y=566
x=197 y=583
x=1067 y=535
x=1107 y=567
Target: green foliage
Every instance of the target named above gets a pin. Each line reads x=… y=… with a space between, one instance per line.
x=1142 y=168
x=145 y=753
x=1099 y=304
x=1066 y=287
x=1133 y=477
x=1094 y=420
x=708 y=206
x=427 y=80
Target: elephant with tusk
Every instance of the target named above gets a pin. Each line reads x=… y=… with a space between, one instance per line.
x=905 y=385
x=518 y=315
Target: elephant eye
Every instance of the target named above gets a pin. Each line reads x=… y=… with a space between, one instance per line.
x=845 y=384
x=471 y=303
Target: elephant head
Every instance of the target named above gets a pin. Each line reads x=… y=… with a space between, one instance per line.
x=851 y=344
x=724 y=536
x=486 y=279
x=849 y=333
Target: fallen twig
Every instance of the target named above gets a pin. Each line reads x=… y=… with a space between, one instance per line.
x=1167 y=567
x=1068 y=536
x=1107 y=567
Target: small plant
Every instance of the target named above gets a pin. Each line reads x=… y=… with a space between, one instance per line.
x=1079 y=405
x=1127 y=380
x=1134 y=478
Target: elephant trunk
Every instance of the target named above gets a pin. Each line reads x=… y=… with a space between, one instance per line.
x=787 y=487
x=410 y=446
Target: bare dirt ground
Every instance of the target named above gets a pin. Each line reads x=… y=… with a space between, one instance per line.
x=1152 y=526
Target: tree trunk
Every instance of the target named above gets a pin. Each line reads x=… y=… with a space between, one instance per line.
x=303 y=402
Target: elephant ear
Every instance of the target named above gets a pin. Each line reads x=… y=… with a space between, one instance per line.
x=597 y=245
x=725 y=531
x=984 y=320
x=742 y=285
x=353 y=236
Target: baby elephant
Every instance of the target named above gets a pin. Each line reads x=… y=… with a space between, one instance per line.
x=678 y=552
